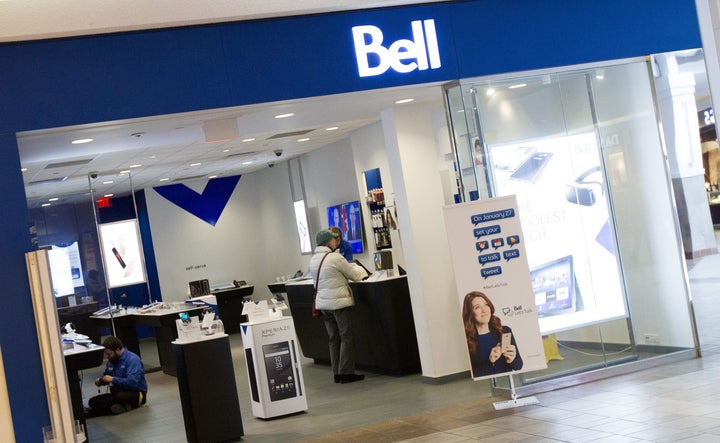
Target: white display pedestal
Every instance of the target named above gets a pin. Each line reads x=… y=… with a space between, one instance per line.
x=274 y=372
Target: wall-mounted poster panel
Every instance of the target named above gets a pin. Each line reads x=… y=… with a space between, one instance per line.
x=122 y=253
x=564 y=213
x=493 y=282
x=65 y=268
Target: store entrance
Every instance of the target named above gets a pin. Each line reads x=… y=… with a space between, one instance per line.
x=581 y=151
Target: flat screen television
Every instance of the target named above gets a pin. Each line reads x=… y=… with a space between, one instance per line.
x=347 y=218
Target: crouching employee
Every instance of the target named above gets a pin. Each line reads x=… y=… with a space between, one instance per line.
x=125 y=374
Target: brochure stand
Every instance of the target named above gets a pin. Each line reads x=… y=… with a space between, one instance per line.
x=274 y=373
x=515 y=402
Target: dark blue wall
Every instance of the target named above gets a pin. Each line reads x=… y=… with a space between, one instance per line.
x=73 y=81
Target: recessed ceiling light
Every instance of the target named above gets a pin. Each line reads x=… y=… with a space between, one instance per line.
x=517 y=85
x=212 y=176
x=303 y=139
x=289 y=114
x=109 y=182
x=164 y=179
x=195 y=164
x=405 y=100
x=54 y=199
x=108 y=195
x=332 y=128
x=489 y=91
x=45 y=204
x=247 y=163
x=152 y=156
x=225 y=150
x=23 y=169
x=248 y=140
x=136 y=166
x=81 y=141
x=127 y=171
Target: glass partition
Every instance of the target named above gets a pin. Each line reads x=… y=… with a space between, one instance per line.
x=582 y=151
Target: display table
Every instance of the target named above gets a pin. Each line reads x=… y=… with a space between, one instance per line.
x=230 y=306
x=124 y=327
x=162 y=318
x=274 y=373
x=79 y=315
x=208 y=391
x=383 y=324
x=76 y=359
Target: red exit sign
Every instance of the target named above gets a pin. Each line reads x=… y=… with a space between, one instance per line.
x=104 y=202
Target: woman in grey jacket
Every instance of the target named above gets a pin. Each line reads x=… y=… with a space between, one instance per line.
x=335 y=300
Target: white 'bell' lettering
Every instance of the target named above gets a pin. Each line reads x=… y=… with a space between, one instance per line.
x=403 y=56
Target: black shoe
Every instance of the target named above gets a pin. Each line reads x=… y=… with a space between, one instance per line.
x=349 y=378
x=338 y=378
x=118 y=408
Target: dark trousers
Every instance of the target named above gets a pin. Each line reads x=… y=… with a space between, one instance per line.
x=100 y=404
x=338 y=324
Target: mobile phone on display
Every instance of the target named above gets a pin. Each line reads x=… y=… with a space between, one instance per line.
x=278 y=365
x=118 y=257
x=531 y=168
x=184 y=317
x=505 y=342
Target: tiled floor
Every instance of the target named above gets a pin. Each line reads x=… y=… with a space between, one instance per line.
x=672 y=403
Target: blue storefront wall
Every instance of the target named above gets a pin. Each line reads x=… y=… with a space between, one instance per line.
x=71 y=81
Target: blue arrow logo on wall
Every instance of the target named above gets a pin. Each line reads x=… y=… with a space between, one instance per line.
x=207 y=206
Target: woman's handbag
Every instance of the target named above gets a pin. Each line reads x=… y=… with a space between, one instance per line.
x=315 y=312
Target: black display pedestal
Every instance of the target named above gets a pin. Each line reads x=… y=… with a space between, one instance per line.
x=208 y=392
x=230 y=306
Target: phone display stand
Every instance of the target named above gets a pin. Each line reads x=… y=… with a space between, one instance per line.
x=188 y=330
x=515 y=401
x=274 y=372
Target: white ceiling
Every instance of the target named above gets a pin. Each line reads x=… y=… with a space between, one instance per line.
x=165 y=147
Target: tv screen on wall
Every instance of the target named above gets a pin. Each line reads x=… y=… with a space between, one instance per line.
x=346 y=217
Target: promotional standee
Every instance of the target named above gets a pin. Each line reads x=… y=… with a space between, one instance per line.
x=493 y=282
x=274 y=373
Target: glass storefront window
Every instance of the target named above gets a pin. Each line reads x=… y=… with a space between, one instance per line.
x=582 y=152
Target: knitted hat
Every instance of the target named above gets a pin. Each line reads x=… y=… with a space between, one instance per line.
x=324 y=236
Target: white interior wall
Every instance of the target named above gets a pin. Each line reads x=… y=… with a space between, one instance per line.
x=368 y=148
x=187 y=248
x=412 y=157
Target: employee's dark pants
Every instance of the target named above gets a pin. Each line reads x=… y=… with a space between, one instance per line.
x=338 y=324
x=102 y=404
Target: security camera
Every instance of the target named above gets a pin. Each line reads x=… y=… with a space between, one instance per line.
x=271 y=164
x=278 y=152
x=93 y=175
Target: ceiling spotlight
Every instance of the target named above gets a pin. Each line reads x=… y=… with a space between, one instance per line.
x=247 y=163
x=108 y=195
x=332 y=128
x=212 y=176
x=54 y=199
x=109 y=182
x=136 y=166
x=290 y=114
x=45 y=204
x=165 y=179
x=127 y=171
x=490 y=91
x=599 y=74
x=303 y=139
x=405 y=100
x=80 y=141
x=517 y=85
x=23 y=169
x=248 y=140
